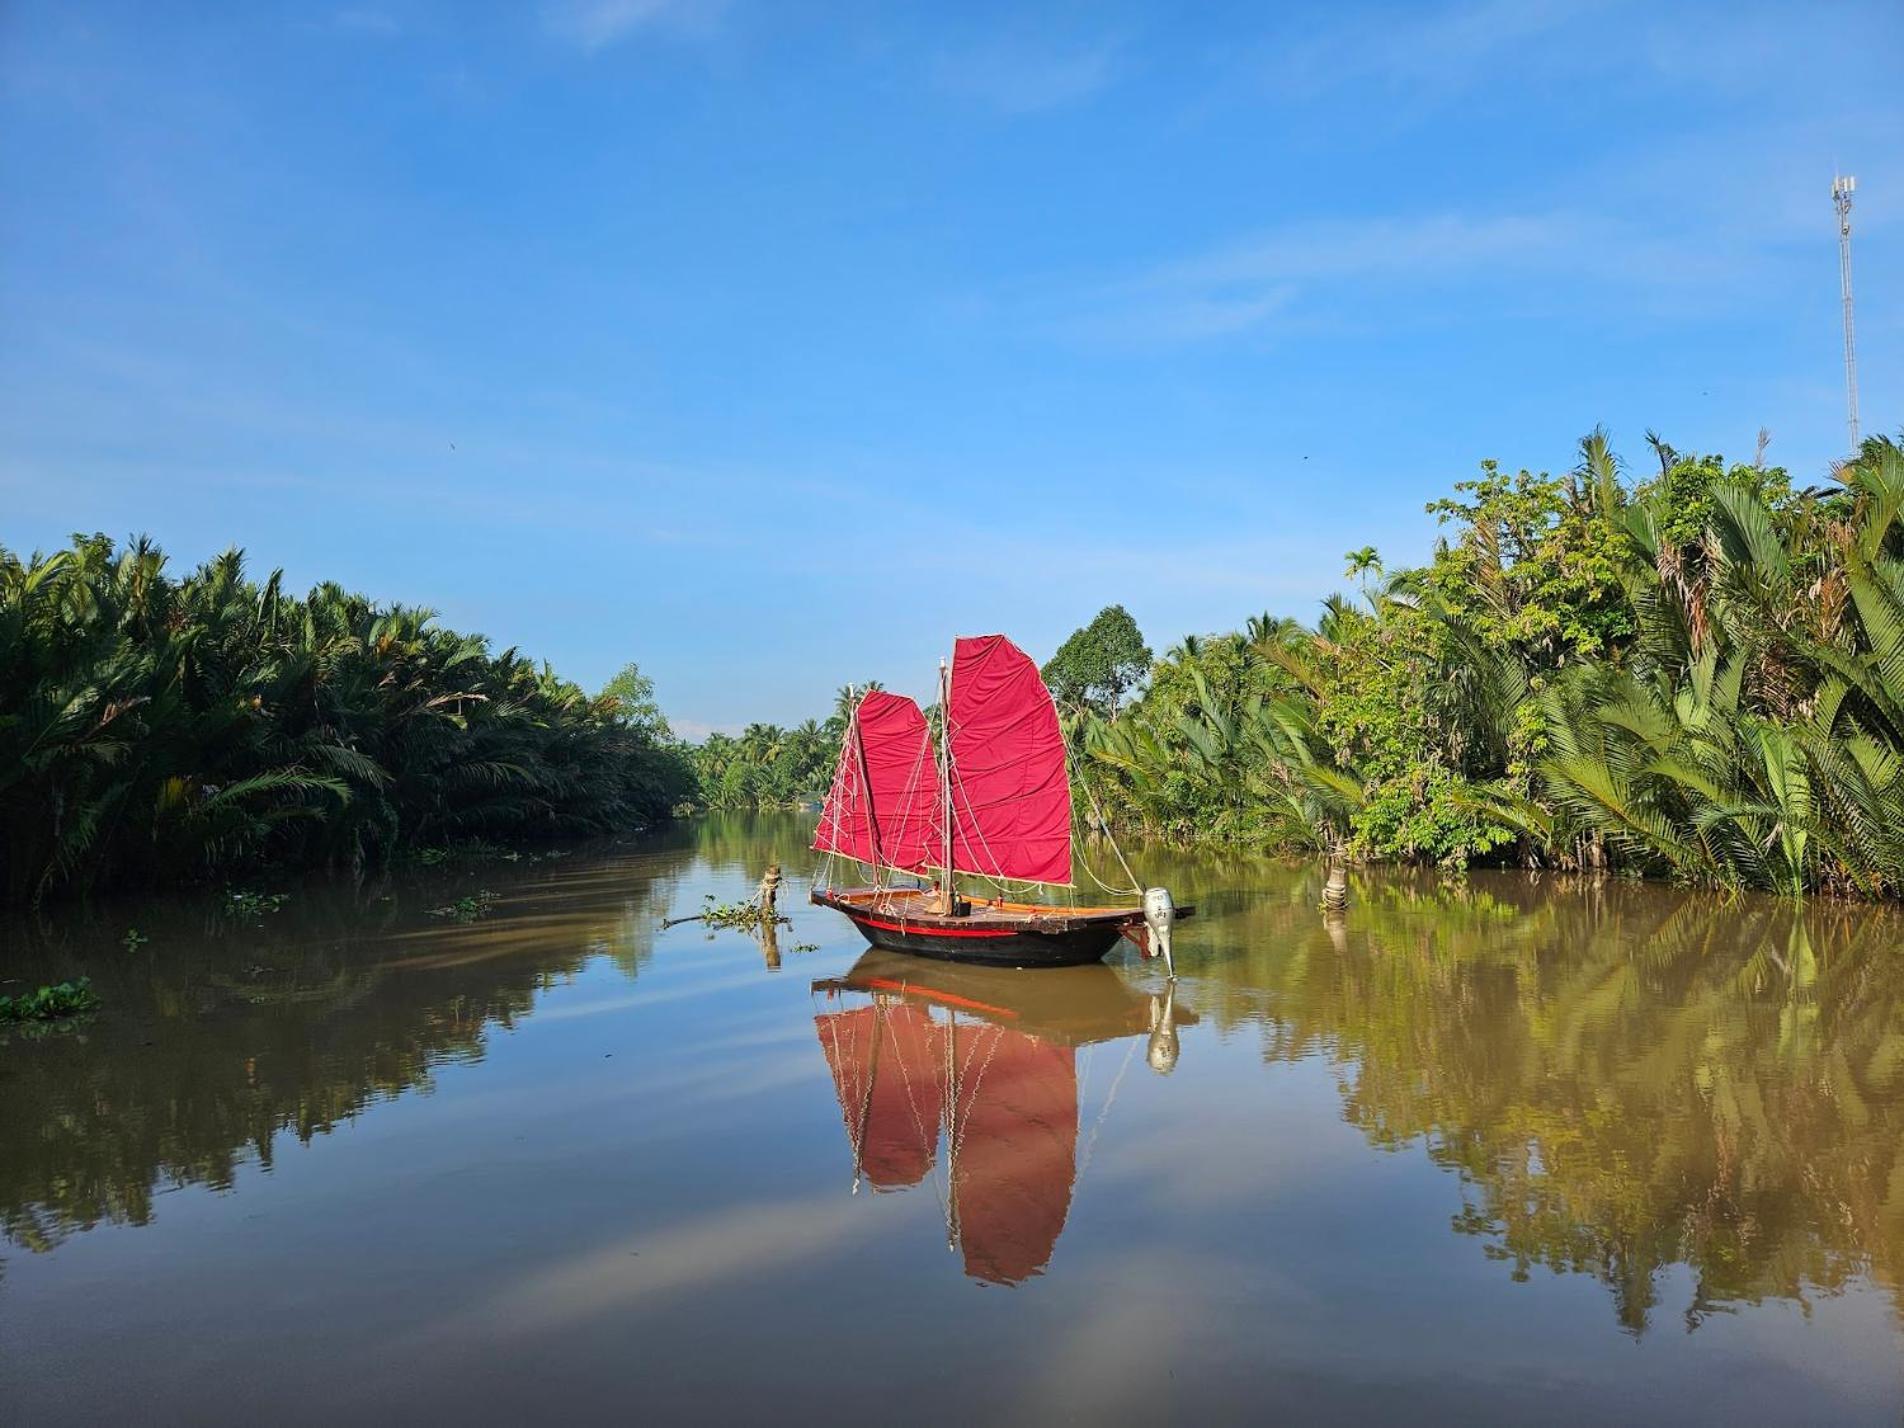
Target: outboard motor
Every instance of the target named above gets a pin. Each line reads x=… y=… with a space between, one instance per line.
x=1160 y=915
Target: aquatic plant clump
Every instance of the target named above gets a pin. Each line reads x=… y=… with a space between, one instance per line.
x=247 y=906
x=48 y=1003
x=465 y=909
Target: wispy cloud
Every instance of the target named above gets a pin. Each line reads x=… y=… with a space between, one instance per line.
x=1429 y=50
x=1437 y=243
x=1288 y=277
x=1144 y=312
x=597 y=24
x=1084 y=1371
x=1251 y=284
x=672 y=1264
x=1020 y=74
x=697 y=730
x=373 y=24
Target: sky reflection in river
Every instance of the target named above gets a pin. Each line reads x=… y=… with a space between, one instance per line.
x=1474 y=1153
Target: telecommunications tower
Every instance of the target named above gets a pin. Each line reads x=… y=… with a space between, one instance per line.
x=1841 y=190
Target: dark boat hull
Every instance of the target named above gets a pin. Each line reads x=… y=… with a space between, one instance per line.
x=997 y=948
x=1056 y=940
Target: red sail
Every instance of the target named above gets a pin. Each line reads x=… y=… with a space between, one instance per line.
x=883 y=806
x=1011 y=793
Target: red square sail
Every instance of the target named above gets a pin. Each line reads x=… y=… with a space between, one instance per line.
x=883 y=807
x=1011 y=790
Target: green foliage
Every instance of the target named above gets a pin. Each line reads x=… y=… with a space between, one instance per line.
x=1685 y=493
x=632 y=695
x=247 y=906
x=46 y=1003
x=155 y=729
x=1099 y=663
x=771 y=767
x=1534 y=568
x=465 y=909
x=741 y=915
x=1701 y=677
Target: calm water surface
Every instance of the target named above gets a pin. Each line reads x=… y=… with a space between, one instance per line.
x=1486 y=1152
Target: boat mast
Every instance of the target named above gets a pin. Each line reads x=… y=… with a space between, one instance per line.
x=866 y=796
x=866 y=1106
x=952 y=1131
x=949 y=898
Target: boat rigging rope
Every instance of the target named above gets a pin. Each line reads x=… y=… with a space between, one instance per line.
x=919 y=1125
x=836 y=794
x=997 y=1035
x=912 y=798
x=1103 y=824
x=1090 y=1145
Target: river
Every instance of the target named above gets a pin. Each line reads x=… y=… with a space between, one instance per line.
x=1478 y=1151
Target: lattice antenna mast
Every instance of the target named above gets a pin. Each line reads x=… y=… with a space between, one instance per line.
x=1842 y=188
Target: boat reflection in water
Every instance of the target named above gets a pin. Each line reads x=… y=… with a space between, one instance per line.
x=981 y=1061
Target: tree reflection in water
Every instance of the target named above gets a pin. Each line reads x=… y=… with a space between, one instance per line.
x=1624 y=1077
x=220 y=1039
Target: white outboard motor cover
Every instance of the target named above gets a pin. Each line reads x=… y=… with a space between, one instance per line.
x=1160 y=915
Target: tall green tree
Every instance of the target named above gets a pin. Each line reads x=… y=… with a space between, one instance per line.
x=633 y=694
x=1100 y=663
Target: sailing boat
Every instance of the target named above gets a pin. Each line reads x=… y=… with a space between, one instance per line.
x=983 y=1064
x=992 y=801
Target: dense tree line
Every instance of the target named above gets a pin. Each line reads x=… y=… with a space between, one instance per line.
x=1698 y=674
x=767 y=766
x=155 y=729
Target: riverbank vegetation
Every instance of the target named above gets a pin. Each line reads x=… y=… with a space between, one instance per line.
x=1696 y=674
x=157 y=729
x=767 y=766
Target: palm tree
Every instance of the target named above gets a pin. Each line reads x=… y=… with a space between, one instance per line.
x=153 y=727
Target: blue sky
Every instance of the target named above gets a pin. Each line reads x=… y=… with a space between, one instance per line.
x=771 y=343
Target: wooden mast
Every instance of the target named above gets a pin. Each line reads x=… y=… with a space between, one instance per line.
x=866 y=793
x=948 y=899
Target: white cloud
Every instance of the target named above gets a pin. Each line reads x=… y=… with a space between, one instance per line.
x=1018 y=75
x=1426 y=50
x=373 y=23
x=1438 y=243
x=597 y=24
x=697 y=730
x=1182 y=316
x=670 y=1263
x=1287 y=279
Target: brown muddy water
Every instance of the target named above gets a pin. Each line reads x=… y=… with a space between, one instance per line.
x=1493 y=1151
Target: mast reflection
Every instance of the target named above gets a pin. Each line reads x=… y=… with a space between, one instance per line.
x=982 y=1062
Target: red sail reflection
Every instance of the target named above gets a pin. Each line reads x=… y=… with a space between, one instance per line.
x=981 y=1063
x=1017 y=1128
x=893 y=1118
